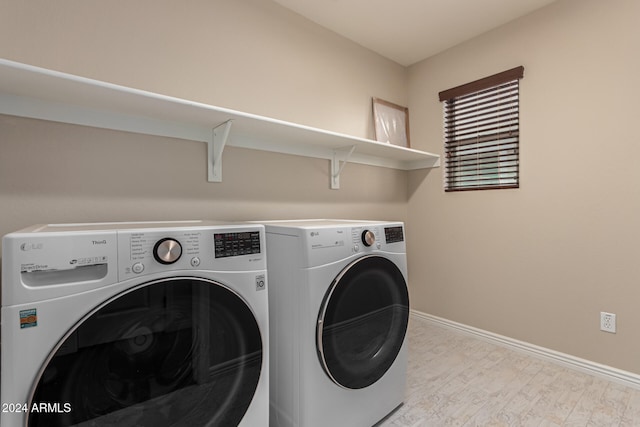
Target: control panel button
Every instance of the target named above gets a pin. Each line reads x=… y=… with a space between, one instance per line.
x=356 y=248
x=368 y=238
x=195 y=261
x=167 y=251
x=137 y=268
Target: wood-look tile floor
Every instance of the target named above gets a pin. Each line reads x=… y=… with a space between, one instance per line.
x=455 y=379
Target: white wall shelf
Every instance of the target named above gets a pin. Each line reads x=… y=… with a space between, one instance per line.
x=34 y=92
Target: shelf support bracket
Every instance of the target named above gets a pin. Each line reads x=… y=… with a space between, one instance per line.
x=337 y=166
x=215 y=148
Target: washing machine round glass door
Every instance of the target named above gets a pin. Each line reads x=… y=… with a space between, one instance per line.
x=362 y=322
x=173 y=352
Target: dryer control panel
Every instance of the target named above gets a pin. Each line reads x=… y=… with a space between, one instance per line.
x=376 y=237
x=366 y=237
x=328 y=244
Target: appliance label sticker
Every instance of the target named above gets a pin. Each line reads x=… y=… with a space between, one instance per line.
x=28 y=318
x=261 y=283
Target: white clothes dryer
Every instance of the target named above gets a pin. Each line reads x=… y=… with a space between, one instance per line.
x=135 y=324
x=339 y=310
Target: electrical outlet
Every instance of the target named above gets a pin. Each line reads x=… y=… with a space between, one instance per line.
x=608 y=322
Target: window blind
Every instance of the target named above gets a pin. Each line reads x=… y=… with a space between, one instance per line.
x=481 y=127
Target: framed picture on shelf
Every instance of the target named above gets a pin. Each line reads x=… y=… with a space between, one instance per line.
x=391 y=122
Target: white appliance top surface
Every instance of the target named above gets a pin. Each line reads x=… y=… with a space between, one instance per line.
x=104 y=226
x=318 y=223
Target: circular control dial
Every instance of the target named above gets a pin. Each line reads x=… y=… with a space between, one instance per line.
x=167 y=251
x=368 y=238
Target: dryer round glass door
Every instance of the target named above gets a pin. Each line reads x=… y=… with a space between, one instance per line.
x=362 y=322
x=179 y=351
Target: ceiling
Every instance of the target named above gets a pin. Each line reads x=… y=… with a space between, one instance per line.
x=408 y=31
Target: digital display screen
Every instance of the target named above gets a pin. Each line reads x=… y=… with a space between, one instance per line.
x=236 y=244
x=393 y=234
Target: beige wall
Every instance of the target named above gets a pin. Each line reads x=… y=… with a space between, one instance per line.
x=539 y=263
x=250 y=55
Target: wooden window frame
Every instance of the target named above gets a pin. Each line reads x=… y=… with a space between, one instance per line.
x=482 y=133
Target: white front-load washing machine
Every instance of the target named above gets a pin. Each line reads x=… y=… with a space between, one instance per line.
x=135 y=324
x=339 y=310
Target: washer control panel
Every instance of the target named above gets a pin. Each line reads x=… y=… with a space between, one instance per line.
x=152 y=251
x=41 y=261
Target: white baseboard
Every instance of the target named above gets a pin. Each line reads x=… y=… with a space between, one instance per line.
x=613 y=374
